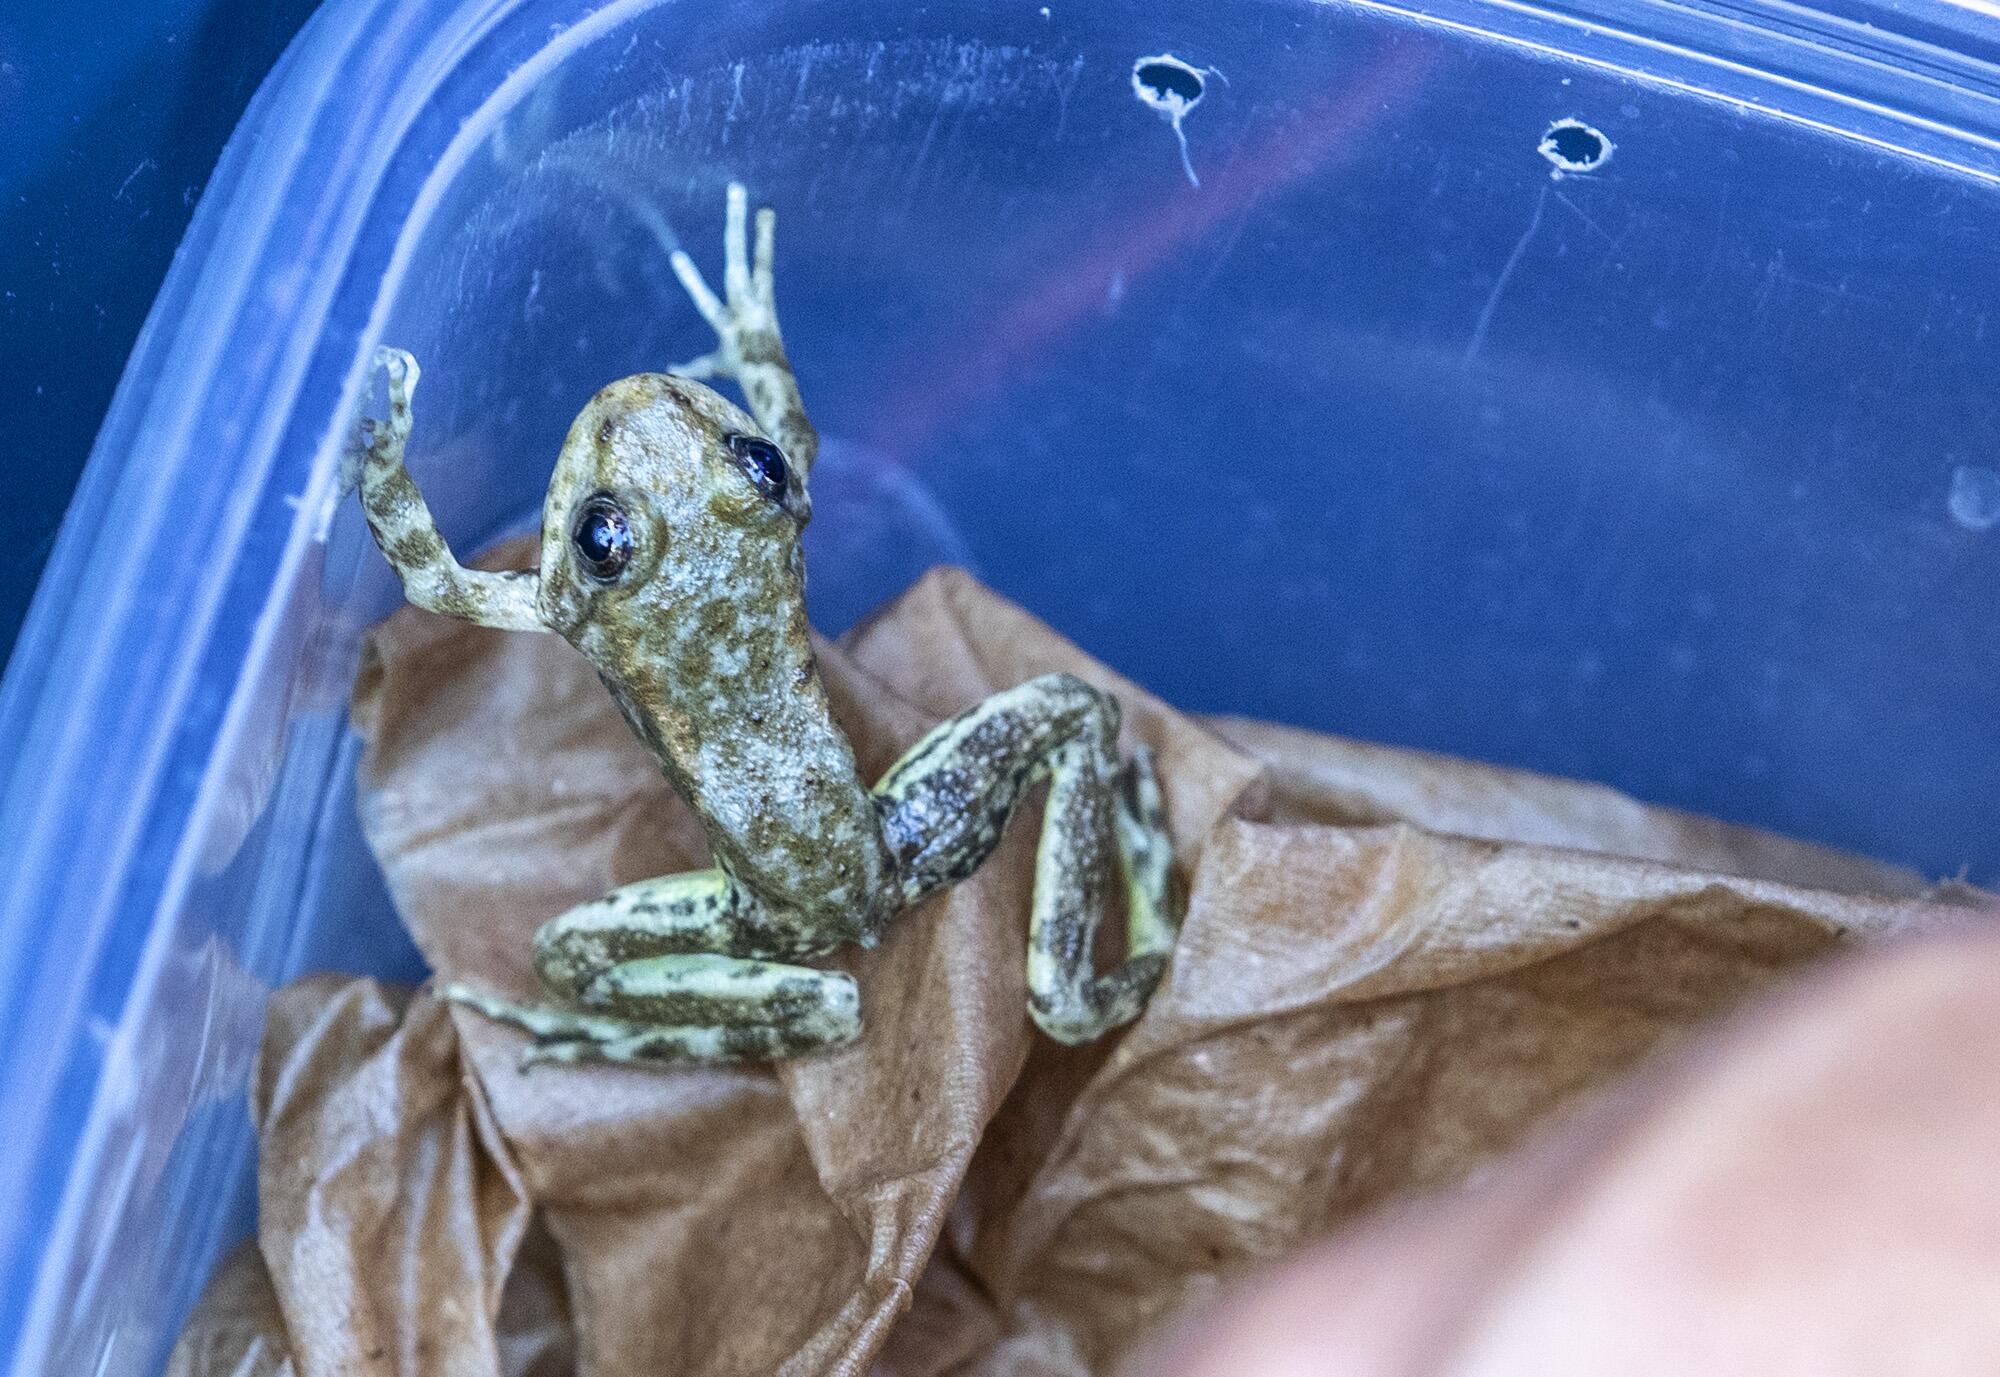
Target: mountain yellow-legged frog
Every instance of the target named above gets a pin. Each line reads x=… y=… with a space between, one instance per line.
x=670 y=557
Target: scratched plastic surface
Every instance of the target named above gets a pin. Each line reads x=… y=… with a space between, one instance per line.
x=1676 y=472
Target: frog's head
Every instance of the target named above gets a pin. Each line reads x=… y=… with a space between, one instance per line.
x=670 y=541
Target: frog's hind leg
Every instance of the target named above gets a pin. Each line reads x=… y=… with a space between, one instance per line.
x=695 y=911
x=694 y=1008
x=946 y=803
x=685 y=968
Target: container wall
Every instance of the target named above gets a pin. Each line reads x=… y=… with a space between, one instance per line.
x=1676 y=473
x=1577 y=404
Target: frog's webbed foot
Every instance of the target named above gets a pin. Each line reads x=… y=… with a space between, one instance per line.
x=675 y=969
x=750 y=351
x=746 y=315
x=947 y=801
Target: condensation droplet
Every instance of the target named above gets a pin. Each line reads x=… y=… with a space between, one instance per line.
x=1975 y=497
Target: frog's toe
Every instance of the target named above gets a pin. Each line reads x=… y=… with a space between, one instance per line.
x=696 y=286
x=563 y=1052
x=399 y=365
x=545 y=1022
x=1111 y=1000
x=735 y=244
x=707 y=366
x=760 y=267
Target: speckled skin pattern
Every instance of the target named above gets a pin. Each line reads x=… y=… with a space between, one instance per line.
x=670 y=558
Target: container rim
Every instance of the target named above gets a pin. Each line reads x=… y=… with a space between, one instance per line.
x=113 y=674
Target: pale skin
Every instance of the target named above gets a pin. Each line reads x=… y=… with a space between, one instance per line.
x=670 y=557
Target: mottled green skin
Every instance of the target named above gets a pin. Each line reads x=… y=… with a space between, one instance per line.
x=704 y=645
x=701 y=637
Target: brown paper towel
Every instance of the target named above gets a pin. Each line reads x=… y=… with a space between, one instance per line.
x=1395 y=966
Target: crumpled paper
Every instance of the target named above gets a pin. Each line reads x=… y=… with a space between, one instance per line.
x=1395 y=967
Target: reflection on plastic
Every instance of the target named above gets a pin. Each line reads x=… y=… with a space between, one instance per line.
x=875 y=528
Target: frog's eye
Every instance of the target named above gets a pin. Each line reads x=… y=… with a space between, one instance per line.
x=765 y=464
x=602 y=536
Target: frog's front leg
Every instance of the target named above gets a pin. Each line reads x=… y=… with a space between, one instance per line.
x=947 y=801
x=682 y=968
x=745 y=320
x=403 y=526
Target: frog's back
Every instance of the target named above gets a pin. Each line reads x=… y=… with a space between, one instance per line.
x=788 y=815
x=691 y=605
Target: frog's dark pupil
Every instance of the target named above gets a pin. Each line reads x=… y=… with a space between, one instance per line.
x=765 y=464
x=600 y=538
x=603 y=537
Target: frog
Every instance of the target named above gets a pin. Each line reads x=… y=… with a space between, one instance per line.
x=670 y=557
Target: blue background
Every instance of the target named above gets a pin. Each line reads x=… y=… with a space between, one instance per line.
x=1646 y=476
x=112 y=113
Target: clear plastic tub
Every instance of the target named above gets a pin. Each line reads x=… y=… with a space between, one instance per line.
x=1412 y=419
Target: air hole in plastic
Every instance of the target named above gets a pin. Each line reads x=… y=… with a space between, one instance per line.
x=1166 y=81
x=1574 y=146
x=1173 y=88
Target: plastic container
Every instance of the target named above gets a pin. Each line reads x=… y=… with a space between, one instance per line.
x=1676 y=470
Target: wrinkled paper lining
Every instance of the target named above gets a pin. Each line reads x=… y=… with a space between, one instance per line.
x=1395 y=966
